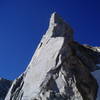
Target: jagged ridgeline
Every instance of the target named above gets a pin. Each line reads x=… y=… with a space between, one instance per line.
x=60 y=69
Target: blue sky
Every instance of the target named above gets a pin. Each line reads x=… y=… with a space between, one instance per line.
x=23 y=22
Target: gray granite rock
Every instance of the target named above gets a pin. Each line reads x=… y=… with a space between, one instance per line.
x=60 y=69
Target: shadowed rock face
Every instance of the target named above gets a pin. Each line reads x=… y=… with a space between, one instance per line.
x=60 y=69
x=4 y=87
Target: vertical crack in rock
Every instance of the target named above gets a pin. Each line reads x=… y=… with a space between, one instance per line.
x=60 y=69
x=15 y=92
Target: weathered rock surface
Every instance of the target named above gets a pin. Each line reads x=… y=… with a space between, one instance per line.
x=4 y=87
x=60 y=68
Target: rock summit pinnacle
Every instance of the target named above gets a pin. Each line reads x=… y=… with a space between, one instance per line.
x=59 y=28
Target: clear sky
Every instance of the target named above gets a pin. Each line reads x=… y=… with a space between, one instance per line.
x=23 y=22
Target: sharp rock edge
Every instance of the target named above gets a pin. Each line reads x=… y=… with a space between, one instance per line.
x=60 y=69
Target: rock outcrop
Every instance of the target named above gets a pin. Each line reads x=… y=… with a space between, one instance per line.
x=4 y=87
x=60 y=69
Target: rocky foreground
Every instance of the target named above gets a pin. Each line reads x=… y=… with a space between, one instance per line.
x=4 y=87
x=60 y=69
